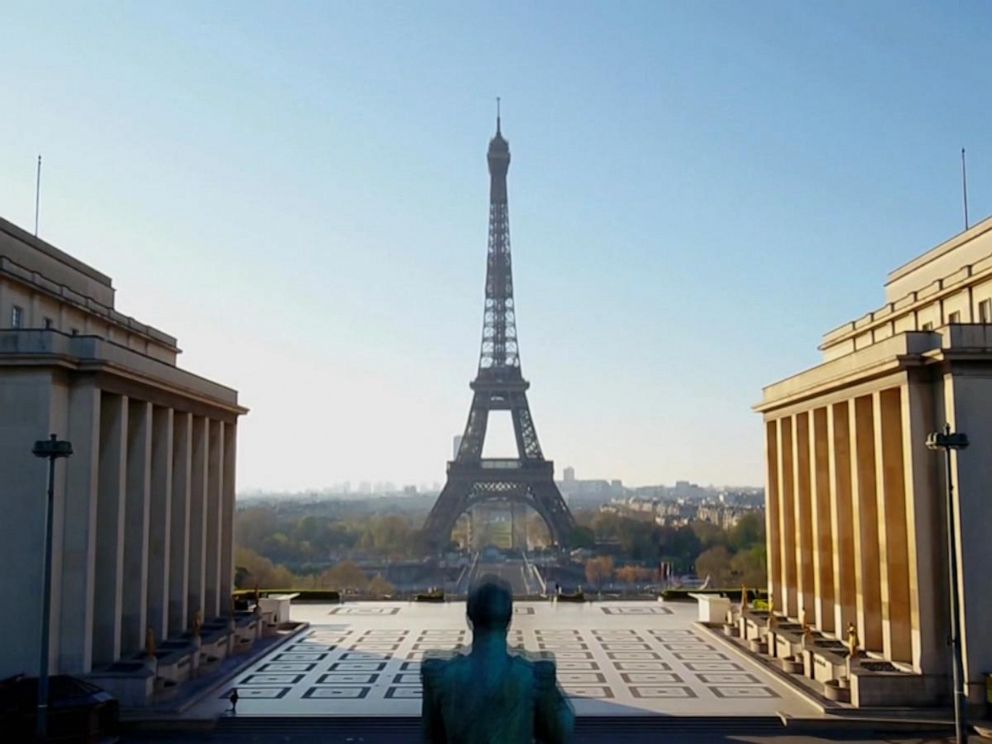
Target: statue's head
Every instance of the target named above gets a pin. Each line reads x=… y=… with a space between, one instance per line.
x=490 y=605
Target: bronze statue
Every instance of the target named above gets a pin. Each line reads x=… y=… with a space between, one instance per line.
x=150 y=643
x=488 y=694
x=852 y=640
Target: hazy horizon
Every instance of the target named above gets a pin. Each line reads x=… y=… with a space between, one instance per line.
x=299 y=194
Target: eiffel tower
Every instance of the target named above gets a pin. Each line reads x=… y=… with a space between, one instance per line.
x=499 y=386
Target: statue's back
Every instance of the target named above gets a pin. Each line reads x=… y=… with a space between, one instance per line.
x=477 y=700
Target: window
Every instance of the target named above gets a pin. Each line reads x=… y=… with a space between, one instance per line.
x=927 y=327
x=985 y=311
x=16 y=316
x=954 y=317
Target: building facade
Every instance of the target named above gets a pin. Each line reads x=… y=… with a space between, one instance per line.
x=143 y=513
x=855 y=500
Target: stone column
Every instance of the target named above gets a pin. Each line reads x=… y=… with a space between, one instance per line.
x=925 y=531
x=772 y=512
x=865 y=503
x=787 y=519
x=139 y=456
x=804 y=519
x=842 y=517
x=179 y=526
x=215 y=486
x=198 y=518
x=967 y=391
x=892 y=538
x=227 y=519
x=823 y=573
x=79 y=541
x=108 y=594
x=159 y=522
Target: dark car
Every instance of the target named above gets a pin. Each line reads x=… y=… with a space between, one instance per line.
x=77 y=710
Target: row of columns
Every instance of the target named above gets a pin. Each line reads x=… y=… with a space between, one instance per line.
x=147 y=514
x=844 y=478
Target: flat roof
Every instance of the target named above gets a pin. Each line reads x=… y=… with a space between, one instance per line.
x=940 y=250
x=50 y=250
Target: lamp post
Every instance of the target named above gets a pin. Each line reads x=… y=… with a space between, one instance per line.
x=947 y=441
x=53 y=449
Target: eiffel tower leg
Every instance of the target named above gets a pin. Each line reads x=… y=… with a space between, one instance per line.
x=475 y=429
x=549 y=503
x=528 y=447
x=450 y=504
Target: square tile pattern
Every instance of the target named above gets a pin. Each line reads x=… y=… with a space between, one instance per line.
x=652 y=660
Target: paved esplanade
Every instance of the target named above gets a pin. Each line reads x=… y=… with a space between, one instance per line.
x=613 y=658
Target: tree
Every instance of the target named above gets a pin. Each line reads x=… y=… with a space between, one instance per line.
x=599 y=570
x=260 y=571
x=583 y=537
x=345 y=575
x=253 y=525
x=715 y=563
x=749 y=566
x=680 y=546
x=709 y=534
x=379 y=587
x=749 y=531
x=634 y=574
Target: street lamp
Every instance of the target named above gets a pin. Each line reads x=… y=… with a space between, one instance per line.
x=947 y=441
x=52 y=448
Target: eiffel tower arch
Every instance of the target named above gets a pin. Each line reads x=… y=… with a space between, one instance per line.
x=499 y=386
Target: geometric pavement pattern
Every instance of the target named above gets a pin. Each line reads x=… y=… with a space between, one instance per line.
x=637 y=657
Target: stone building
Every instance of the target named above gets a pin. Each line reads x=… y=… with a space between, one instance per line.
x=143 y=513
x=856 y=502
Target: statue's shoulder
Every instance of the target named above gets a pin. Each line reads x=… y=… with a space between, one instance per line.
x=436 y=664
x=541 y=670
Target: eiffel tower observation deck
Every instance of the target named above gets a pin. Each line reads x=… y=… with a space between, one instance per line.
x=499 y=386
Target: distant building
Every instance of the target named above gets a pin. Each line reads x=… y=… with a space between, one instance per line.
x=586 y=493
x=855 y=499
x=143 y=514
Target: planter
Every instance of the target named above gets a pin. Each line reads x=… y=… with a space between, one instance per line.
x=837 y=690
x=757 y=646
x=791 y=665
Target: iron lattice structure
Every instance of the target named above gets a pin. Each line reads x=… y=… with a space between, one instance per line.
x=499 y=386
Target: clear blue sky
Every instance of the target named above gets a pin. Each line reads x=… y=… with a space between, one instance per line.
x=298 y=192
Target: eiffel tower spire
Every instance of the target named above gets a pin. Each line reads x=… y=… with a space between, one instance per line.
x=499 y=326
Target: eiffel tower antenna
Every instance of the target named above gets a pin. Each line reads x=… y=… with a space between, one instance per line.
x=527 y=479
